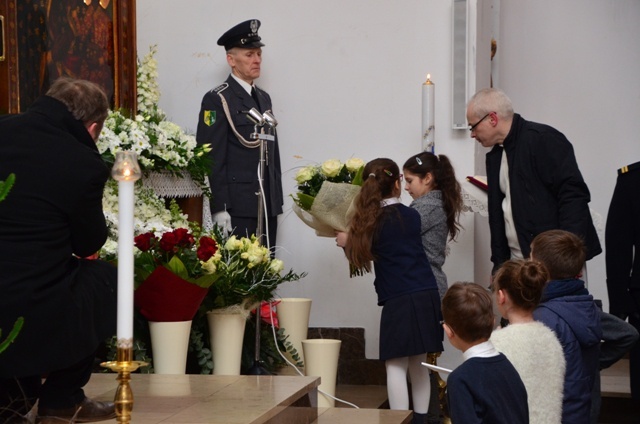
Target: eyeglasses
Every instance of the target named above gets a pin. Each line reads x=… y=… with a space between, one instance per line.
x=473 y=127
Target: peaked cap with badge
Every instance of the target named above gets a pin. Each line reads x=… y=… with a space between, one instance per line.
x=244 y=35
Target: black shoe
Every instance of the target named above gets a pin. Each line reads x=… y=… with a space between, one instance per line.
x=87 y=411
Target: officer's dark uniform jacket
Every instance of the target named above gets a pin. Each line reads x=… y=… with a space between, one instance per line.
x=234 y=173
x=547 y=189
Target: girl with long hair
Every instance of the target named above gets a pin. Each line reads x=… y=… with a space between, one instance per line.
x=386 y=233
x=431 y=181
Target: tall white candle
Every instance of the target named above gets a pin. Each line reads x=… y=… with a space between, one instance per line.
x=428 y=115
x=125 y=260
x=126 y=171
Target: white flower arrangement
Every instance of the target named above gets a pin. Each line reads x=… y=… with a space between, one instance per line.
x=150 y=215
x=161 y=145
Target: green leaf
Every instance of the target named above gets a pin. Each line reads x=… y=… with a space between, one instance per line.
x=176 y=266
x=5 y=186
x=12 y=335
x=305 y=201
x=357 y=179
x=207 y=280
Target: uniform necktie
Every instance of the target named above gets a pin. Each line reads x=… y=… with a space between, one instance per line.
x=254 y=94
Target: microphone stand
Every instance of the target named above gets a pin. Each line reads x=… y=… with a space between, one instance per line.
x=257 y=368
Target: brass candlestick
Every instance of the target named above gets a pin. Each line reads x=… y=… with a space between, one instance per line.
x=124 y=365
x=432 y=358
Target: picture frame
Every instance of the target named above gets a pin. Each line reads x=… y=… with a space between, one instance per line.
x=87 y=39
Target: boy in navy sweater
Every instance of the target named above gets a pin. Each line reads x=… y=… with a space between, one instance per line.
x=486 y=388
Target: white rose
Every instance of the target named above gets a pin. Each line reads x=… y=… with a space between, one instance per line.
x=331 y=167
x=305 y=174
x=276 y=266
x=354 y=164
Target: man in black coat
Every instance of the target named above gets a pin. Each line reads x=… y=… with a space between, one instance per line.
x=533 y=178
x=49 y=222
x=223 y=123
x=622 y=242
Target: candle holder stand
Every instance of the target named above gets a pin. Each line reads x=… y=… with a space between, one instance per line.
x=124 y=365
x=432 y=358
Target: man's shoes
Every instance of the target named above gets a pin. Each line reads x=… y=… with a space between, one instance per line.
x=87 y=411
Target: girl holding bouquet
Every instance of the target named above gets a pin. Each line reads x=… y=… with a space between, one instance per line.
x=431 y=182
x=387 y=233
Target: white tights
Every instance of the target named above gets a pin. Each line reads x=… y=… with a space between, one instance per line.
x=397 y=388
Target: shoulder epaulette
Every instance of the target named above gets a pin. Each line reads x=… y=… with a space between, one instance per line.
x=220 y=88
x=628 y=168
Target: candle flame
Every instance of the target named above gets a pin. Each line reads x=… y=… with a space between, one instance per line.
x=428 y=81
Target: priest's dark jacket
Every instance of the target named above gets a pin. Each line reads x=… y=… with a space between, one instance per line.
x=51 y=218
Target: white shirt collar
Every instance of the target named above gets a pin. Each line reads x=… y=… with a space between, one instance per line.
x=389 y=201
x=482 y=350
x=243 y=83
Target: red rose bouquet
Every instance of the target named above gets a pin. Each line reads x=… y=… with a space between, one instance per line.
x=171 y=282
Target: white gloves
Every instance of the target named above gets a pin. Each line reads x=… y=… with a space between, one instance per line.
x=223 y=220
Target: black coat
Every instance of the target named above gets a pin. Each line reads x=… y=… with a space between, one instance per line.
x=622 y=241
x=53 y=212
x=234 y=177
x=547 y=189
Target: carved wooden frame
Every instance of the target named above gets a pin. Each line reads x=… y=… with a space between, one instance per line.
x=124 y=50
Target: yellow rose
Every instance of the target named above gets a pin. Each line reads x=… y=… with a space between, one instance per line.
x=305 y=174
x=233 y=243
x=209 y=267
x=354 y=164
x=331 y=167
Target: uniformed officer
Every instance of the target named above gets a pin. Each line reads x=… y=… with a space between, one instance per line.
x=622 y=247
x=223 y=122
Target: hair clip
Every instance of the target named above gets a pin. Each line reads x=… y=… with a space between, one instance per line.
x=418 y=160
x=389 y=173
x=372 y=175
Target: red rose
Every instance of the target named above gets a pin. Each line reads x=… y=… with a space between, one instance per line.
x=169 y=242
x=208 y=247
x=143 y=241
x=183 y=237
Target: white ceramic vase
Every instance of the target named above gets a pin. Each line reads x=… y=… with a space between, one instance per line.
x=293 y=317
x=170 y=343
x=226 y=332
x=321 y=359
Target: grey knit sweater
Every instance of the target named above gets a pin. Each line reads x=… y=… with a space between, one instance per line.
x=434 y=232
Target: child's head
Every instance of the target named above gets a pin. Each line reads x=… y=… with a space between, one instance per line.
x=421 y=174
x=381 y=178
x=523 y=281
x=425 y=172
x=561 y=252
x=468 y=312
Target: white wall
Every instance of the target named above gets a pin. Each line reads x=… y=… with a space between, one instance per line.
x=574 y=64
x=345 y=79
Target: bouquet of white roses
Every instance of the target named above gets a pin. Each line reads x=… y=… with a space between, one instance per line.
x=325 y=194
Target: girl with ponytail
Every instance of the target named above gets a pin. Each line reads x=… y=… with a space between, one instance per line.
x=386 y=233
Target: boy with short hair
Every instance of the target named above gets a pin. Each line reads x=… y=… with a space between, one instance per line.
x=569 y=310
x=485 y=388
